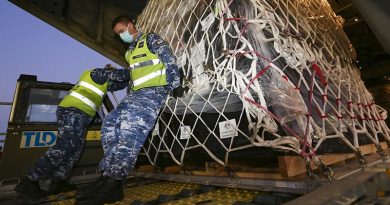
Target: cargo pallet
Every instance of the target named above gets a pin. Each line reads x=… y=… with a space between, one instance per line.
x=290 y=176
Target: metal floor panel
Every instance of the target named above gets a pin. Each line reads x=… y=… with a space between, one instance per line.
x=153 y=191
x=143 y=193
x=150 y=192
x=219 y=196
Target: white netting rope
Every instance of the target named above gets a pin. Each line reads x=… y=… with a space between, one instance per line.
x=283 y=66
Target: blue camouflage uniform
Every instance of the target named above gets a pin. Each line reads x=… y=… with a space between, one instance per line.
x=73 y=123
x=125 y=129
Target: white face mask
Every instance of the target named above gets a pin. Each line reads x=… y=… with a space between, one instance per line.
x=126 y=36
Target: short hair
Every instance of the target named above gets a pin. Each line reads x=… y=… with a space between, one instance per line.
x=125 y=19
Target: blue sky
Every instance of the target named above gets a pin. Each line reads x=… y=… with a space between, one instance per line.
x=31 y=46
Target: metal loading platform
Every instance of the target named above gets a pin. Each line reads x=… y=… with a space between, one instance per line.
x=141 y=191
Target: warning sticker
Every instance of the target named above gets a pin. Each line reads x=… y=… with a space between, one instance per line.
x=228 y=129
x=185 y=132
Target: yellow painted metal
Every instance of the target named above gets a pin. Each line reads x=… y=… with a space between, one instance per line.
x=93 y=135
x=151 y=192
x=145 y=193
x=63 y=195
x=65 y=202
x=218 y=197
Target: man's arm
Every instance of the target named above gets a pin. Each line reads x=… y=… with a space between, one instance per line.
x=117 y=79
x=117 y=85
x=161 y=48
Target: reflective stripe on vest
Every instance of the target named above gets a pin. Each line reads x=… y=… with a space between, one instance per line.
x=149 y=77
x=84 y=99
x=145 y=63
x=91 y=87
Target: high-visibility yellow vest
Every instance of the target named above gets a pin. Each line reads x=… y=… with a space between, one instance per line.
x=145 y=67
x=86 y=95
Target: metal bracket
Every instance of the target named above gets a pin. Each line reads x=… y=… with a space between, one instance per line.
x=388 y=143
x=381 y=152
x=310 y=172
x=230 y=171
x=361 y=159
x=325 y=170
x=158 y=169
x=185 y=171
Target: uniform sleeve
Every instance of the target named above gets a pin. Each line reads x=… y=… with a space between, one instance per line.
x=99 y=75
x=117 y=79
x=119 y=75
x=117 y=85
x=161 y=48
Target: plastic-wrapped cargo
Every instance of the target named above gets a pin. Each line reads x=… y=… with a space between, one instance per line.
x=261 y=74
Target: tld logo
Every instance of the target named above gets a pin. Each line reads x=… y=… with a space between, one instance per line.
x=38 y=139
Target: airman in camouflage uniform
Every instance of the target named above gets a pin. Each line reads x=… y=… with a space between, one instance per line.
x=74 y=115
x=154 y=74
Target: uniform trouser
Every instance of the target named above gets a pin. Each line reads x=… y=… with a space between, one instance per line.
x=59 y=160
x=125 y=129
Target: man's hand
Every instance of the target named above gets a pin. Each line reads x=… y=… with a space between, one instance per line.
x=109 y=67
x=179 y=91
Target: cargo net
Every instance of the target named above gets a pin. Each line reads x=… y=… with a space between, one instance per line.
x=260 y=73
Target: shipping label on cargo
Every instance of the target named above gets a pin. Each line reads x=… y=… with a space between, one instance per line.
x=182 y=60
x=207 y=22
x=228 y=129
x=32 y=139
x=185 y=132
x=198 y=56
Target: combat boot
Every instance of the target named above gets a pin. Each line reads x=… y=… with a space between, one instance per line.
x=111 y=192
x=90 y=190
x=58 y=186
x=30 y=188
